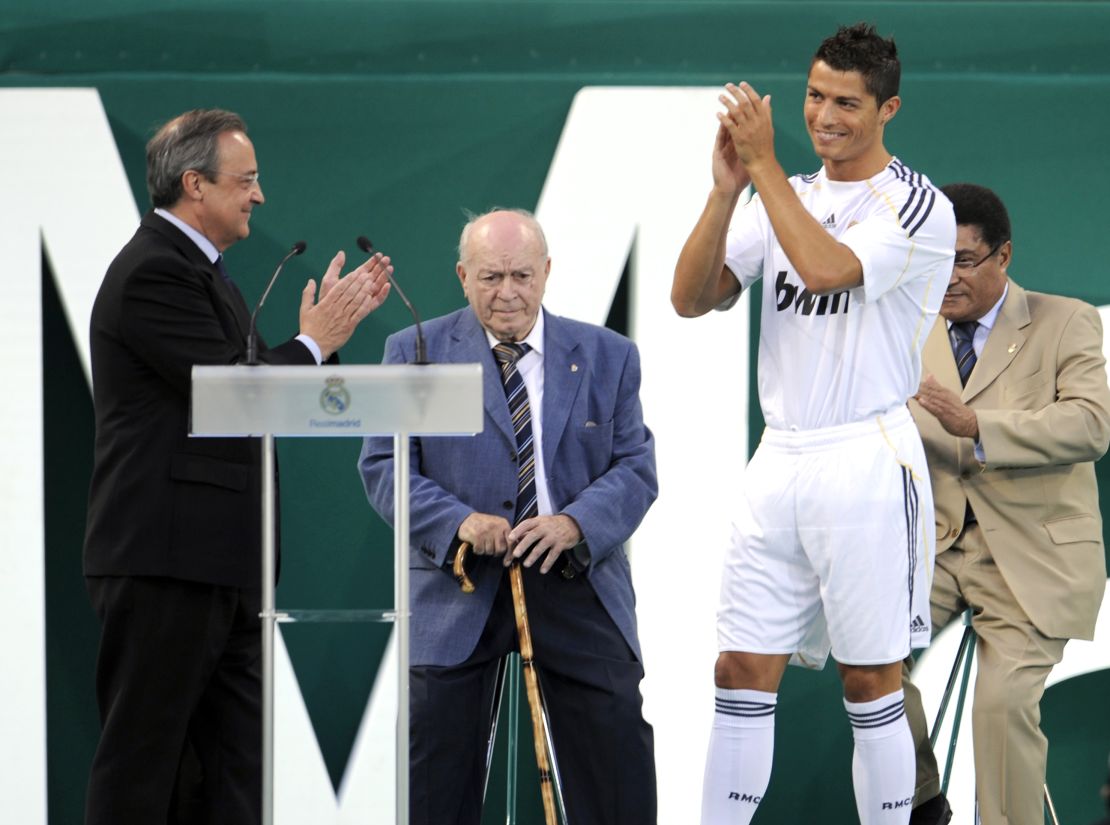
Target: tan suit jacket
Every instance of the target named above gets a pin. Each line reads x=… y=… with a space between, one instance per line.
x=1040 y=392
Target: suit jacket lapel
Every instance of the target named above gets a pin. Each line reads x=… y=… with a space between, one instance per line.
x=224 y=289
x=563 y=369
x=938 y=359
x=472 y=346
x=1003 y=344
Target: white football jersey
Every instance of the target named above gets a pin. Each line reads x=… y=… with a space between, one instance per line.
x=835 y=359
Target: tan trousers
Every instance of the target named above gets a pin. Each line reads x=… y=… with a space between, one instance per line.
x=1014 y=660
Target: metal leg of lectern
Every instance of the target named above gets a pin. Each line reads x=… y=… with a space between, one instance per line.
x=401 y=624
x=268 y=616
x=401 y=608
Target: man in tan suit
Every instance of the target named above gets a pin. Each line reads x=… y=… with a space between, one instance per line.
x=1014 y=411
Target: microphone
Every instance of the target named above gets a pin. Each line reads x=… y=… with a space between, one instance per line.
x=252 y=333
x=421 y=348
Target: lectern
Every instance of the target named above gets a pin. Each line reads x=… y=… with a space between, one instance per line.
x=397 y=400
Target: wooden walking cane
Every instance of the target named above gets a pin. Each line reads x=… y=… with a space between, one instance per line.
x=531 y=681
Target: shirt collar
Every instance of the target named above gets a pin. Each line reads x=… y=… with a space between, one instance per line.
x=533 y=339
x=987 y=321
x=206 y=246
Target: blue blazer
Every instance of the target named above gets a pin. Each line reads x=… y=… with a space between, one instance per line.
x=599 y=458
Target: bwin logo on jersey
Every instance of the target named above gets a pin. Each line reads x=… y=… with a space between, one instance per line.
x=805 y=302
x=745 y=797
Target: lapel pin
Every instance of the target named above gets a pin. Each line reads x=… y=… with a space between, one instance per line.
x=574 y=368
x=1012 y=349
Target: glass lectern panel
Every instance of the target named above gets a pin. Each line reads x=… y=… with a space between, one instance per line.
x=431 y=399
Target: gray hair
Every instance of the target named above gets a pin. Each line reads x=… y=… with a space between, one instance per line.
x=189 y=141
x=529 y=219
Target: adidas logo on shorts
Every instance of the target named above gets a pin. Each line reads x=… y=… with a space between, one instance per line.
x=917 y=624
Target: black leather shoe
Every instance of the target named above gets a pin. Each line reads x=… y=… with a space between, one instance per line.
x=935 y=811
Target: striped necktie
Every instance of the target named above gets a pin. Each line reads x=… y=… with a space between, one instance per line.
x=520 y=413
x=962 y=335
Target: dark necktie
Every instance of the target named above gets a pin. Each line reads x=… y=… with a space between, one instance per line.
x=238 y=302
x=520 y=413
x=962 y=336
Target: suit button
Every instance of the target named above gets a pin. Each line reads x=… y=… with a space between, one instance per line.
x=508 y=505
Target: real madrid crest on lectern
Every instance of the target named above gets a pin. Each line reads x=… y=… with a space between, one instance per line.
x=334 y=399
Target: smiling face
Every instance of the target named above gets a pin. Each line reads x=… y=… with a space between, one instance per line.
x=845 y=123
x=978 y=276
x=503 y=272
x=223 y=206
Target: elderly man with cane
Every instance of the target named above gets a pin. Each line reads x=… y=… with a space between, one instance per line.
x=561 y=475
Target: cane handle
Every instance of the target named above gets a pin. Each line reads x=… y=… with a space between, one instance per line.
x=459 y=568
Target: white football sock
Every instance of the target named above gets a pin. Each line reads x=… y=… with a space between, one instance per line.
x=738 y=766
x=883 y=763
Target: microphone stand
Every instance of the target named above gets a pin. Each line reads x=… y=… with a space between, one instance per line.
x=252 y=332
x=421 y=347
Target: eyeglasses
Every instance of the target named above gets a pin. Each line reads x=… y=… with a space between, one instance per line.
x=968 y=264
x=246 y=181
x=493 y=280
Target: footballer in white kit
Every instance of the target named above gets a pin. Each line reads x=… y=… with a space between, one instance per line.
x=833 y=539
x=834 y=374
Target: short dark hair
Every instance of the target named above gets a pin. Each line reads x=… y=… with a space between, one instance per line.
x=978 y=206
x=189 y=141
x=860 y=48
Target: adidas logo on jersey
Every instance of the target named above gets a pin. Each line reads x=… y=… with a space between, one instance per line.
x=830 y=221
x=917 y=624
x=805 y=302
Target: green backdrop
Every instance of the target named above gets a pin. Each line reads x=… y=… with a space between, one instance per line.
x=389 y=118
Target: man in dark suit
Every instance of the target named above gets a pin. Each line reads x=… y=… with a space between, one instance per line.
x=1014 y=411
x=580 y=429
x=173 y=540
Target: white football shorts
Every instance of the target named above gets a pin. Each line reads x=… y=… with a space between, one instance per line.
x=832 y=546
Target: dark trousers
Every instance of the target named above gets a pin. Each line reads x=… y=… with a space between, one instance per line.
x=591 y=681
x=178 y=685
